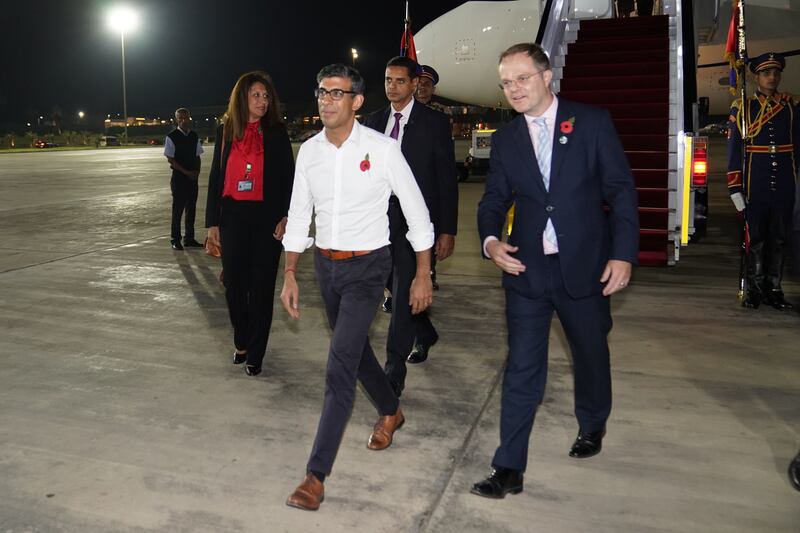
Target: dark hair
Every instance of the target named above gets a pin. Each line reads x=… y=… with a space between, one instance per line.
x=400 y=61
x=338 y=70
x=237 y=114
x=532 y=50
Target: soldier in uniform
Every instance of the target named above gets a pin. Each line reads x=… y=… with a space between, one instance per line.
x=765 y=188
x=426 y=87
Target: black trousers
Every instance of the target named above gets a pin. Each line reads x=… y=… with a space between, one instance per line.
x=403 y=326
x=586 y=323
x=250 y=258
x=351 y=290
x=769 y=225
x=184 y=199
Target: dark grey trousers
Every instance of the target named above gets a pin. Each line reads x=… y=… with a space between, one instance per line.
x=351 y=290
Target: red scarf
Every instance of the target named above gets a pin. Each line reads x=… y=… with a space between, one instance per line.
x=247 y=150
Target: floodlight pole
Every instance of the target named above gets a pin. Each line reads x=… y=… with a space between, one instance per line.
x=124 y=91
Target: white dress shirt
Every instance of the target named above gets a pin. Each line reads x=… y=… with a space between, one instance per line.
x=169 y=146
x=406 y=112
x=533 y=131
x=351 y=204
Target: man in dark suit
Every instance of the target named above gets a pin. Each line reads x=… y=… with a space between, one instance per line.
x=426 y=143
x=558 y=162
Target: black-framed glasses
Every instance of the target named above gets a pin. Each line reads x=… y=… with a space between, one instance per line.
x=335 y=94
x=519 y=80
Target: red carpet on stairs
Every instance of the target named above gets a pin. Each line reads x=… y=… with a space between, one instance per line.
x=623 y=65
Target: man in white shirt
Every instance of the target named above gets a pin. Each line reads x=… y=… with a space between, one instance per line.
x=345 y=175
x=182 y=148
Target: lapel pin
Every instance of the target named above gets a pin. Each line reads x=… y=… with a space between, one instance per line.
x=563 y=139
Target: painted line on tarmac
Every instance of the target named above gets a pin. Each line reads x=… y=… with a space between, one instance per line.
x=459 y=455
x=87 y=252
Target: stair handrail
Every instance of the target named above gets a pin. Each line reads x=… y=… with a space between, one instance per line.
x=554 y=21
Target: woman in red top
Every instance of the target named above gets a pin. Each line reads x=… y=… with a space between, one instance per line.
x=249 y=189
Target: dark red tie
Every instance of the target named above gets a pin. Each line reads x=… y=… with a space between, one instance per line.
x=396 y=128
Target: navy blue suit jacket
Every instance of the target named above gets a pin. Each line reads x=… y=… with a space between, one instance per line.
x=587 y=171
x=428 y=148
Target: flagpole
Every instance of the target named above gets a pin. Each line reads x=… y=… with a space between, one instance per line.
x=743 y=126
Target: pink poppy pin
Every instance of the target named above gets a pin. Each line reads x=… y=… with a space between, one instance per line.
x=365 y=163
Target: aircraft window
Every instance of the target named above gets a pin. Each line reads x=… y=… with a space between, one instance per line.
x=724 y=80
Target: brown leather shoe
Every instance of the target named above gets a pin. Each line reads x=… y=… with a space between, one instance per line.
x=308 y=495
x=384 y=429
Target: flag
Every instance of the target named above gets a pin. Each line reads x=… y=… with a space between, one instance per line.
x=732 y=49
x=407 y=48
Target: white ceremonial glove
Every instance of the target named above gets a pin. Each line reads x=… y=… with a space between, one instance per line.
x=738 y=201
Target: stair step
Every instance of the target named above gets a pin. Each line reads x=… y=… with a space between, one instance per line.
x=638 y=110
x=653 y=197
x=615 y=33
x=648 y=160
x=653 y=258
x=612 y=96
x=659 y=21
x=627 y=126
x=642 y=68
x=633 y=142
x=651 y=178
x=618 y=45
x=621 y=58
x=578 y=83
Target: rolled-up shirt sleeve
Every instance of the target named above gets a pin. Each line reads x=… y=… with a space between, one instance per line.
x=404 y=186
x=301 y=207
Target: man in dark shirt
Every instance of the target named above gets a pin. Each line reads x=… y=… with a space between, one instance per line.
x=182 y=149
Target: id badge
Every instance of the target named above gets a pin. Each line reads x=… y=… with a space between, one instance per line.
x=245 y=185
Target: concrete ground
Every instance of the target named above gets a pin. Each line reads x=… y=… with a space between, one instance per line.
x=121 y=411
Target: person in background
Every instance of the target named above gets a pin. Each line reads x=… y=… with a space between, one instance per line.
x=182 y=149
x=427 y=145
x=249 y=188
x=765 y=190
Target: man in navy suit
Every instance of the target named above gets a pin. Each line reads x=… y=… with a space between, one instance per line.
x=558 y=163
x=427 y=144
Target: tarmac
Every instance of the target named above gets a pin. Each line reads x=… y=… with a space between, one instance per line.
x=120 y=410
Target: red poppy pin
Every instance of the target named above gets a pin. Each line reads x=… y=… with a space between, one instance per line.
x=365 y=163
x=568 y=125
x=566 y=128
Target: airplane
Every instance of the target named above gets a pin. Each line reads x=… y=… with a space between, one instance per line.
x=465 y=43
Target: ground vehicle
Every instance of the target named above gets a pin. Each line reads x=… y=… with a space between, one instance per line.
x=478 y=158
x=108 y=140
x=41 y=143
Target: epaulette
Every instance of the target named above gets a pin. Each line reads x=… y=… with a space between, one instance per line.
x=735 y=104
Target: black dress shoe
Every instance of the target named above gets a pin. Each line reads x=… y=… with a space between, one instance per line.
x=501 y=482
x=191 y=243
x=252 y=370
x=794 y=472
x=176 y=245
x=386 y=306
x=587 y=444
x=239 y=358
x=420 y=351
x=776 y=299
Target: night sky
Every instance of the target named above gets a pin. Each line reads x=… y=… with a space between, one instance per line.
x=59 y=55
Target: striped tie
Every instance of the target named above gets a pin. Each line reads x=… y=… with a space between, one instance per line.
x=543 y=155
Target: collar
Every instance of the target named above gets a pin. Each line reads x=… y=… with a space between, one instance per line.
x=354 y=137
x=184 y=132
x=406 y=111
x=549 y=114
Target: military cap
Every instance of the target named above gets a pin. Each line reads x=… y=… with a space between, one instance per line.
x=429 y=72
x=765 y=61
